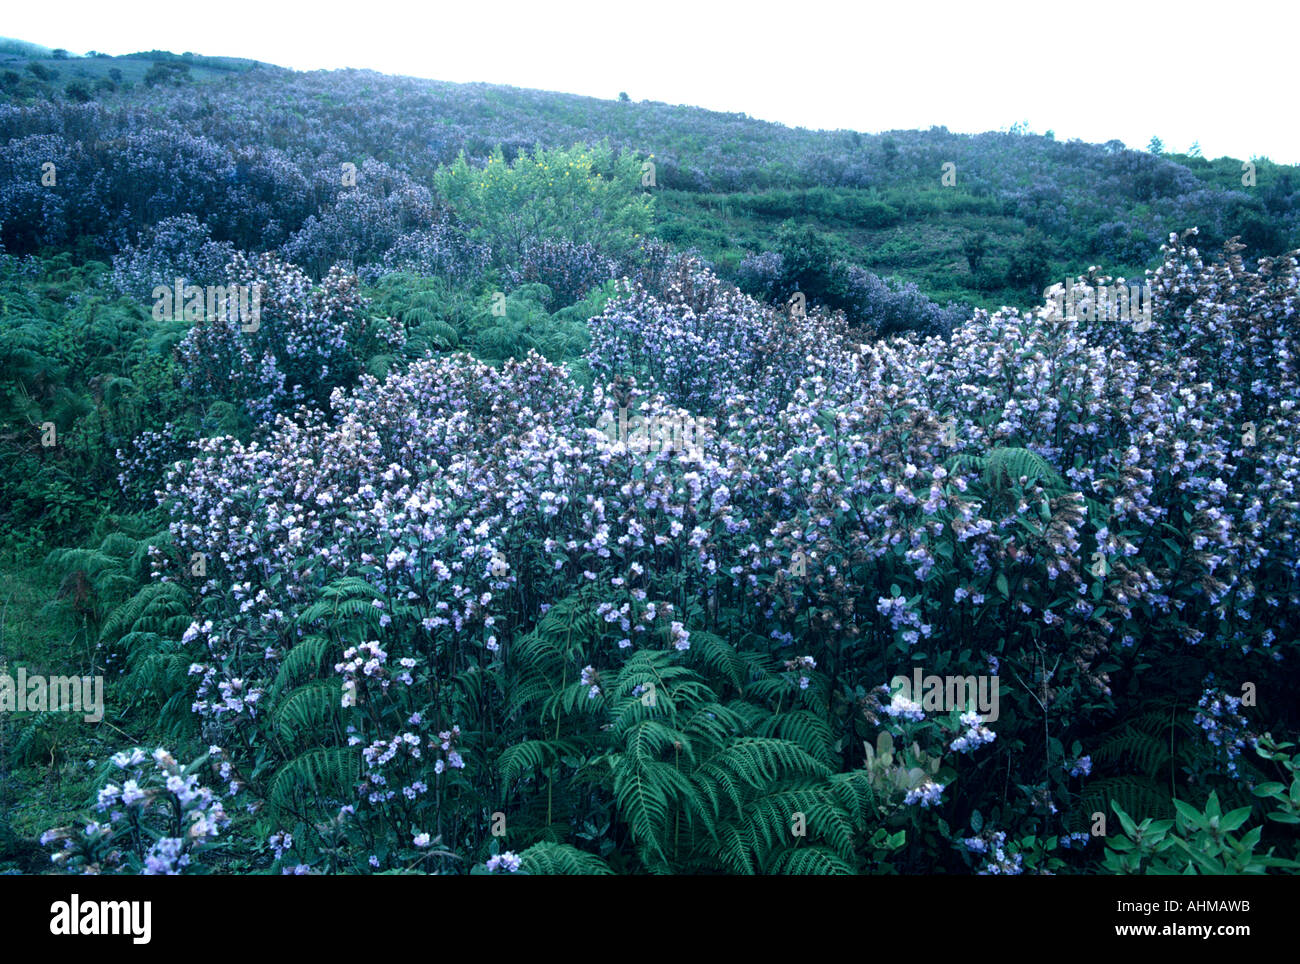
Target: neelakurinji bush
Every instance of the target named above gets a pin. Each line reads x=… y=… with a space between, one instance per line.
x=568 y=269
x=295 y=346
x=440 y=251
x=883 y=306
x=155 y=822
x=364 y=221
x=179 y=247
x=111 y=180
x=455 y=602
x=889 y=306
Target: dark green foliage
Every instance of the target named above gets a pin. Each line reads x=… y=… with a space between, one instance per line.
x=97 y=370
x=696 y=780
x=1028 y=270
x=552 y=859
x=975 y=248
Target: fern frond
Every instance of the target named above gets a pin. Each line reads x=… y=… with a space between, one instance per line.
x=715 y=653
x=519 y=759
x=758 y=761
x=323 y=776
x=561 y=858
x=159 y=607
x=647 y=794
x=810 y=861
x=306 y=661
x=1139 y=796
x=805 y=728
x=313 y=708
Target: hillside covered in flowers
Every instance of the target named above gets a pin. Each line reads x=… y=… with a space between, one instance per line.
x=556 y=500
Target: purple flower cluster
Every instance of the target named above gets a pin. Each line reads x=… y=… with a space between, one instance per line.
x=175 y=247
x=152 y=800
x=442 y=250
x=504 y=863
x=303 y=342
x=976 y=734
x=926 y=794
x=1219 y=715
x=569 y=269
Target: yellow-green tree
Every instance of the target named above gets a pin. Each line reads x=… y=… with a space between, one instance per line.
x=581 y=194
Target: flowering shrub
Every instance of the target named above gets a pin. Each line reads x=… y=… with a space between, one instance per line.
x=304 y=342
x=700 y=339
x=145 y=461
x=440 y=251
x=155 y=818
x=452 y=609
x=568 y=269
x=178 y=247
x=883 y=306
x=889 y=306
x=365 y=220
x=763 y=276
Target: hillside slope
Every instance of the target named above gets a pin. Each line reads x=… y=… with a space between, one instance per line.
x=725 y=182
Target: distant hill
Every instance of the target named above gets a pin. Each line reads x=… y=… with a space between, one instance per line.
x=57 y=68
x=21 y=48
x=1016 y=205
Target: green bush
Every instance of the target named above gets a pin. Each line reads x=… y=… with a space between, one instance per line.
x=579 y=194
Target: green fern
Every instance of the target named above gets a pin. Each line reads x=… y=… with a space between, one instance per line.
x=162 y=608
x=811 y=861
x=560 y=858
x=520 y=759
x=311 y=709
x=1136 y=795
x=805 y=728
x=317 y=779
x=309 y=660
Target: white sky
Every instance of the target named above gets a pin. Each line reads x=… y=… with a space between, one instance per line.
x=1185 y=71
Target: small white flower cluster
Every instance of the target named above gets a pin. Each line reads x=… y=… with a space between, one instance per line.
x=927 y=794
x=102 y=847
x=367 y=658
x=976 y=734
x=901 y=706
x=507 y=862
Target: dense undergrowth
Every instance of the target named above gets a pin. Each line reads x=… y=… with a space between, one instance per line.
x=515 y=538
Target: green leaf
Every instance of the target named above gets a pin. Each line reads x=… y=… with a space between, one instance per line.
x=1190 y=814
x=1268 y=789
x=1231 y=821
x=1130 y=827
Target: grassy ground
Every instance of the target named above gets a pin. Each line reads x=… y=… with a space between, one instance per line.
x=924 y=244
x=44 y=776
